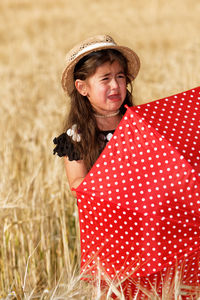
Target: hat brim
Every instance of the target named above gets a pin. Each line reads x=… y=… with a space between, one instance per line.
x=132 y=58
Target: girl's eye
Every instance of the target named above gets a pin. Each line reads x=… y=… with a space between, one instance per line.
x=121 y=76
x=105 y=78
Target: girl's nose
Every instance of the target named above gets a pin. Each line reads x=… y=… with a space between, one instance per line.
x=114 y=84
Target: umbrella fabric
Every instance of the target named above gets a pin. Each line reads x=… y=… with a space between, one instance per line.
x=139 y=206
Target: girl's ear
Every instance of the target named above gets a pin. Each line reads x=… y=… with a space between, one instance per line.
x=81 y=87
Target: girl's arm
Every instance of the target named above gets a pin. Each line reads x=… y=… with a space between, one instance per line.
x=76 y=172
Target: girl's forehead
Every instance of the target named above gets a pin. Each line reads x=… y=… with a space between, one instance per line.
x=108 y=67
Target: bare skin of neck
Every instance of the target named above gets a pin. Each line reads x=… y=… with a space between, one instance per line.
x=110 y=123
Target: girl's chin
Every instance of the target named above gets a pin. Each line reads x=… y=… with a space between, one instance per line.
x=115 y=105
x=112 y=107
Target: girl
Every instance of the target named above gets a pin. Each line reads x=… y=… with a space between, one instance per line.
x=96 y=77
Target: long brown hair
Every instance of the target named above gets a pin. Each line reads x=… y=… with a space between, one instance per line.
x=81 y=112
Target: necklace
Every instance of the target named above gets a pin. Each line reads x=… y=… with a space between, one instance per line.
x=107 y=116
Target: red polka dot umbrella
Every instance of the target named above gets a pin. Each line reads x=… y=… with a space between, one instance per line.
x=139 y=206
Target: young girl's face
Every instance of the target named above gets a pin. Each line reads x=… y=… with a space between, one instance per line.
x=106 y=88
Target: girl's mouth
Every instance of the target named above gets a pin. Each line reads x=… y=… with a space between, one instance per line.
x=114 y=97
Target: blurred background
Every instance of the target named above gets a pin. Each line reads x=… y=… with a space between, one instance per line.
x=39 y=244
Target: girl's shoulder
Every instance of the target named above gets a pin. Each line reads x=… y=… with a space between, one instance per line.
x=65 y=143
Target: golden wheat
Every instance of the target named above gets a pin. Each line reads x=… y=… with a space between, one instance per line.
x=39 y=253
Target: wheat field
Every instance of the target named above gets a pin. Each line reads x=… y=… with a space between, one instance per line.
x=39 y=232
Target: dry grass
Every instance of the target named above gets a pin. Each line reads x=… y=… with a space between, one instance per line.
x=39 y=251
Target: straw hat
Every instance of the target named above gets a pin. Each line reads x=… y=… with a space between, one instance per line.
x=96 y=43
